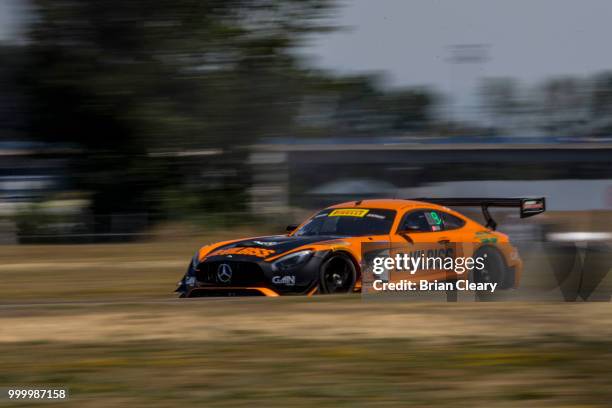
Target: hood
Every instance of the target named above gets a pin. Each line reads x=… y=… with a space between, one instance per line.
x=270 y=245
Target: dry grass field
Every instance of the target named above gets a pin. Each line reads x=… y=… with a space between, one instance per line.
x=102 y=321
x=320 y=351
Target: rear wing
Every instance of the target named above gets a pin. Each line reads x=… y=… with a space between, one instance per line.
x=528 y=206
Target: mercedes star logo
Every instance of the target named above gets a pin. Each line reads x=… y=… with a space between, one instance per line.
x=224 y=273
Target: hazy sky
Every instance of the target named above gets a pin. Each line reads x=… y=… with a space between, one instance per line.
x=11 y=17
x=527 y=39
x=409 y=39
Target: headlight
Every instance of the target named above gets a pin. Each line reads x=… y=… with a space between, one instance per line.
x=292 y=260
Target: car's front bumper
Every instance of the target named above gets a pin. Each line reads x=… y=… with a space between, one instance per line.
x=250 y=277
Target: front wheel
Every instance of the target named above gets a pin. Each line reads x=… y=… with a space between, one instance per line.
x=337 y=274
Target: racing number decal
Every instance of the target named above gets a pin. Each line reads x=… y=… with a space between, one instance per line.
x=434 y=220
x=258 y=252
x=348 y=212
x=435 y=217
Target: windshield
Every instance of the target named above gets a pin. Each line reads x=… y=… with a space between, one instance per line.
x=349 y=222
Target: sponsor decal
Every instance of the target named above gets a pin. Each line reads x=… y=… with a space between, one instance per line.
x=533 y=205
x=287 y=280
x=348 y=212
x=247 y=251
x=266 y=243
x=485 y=237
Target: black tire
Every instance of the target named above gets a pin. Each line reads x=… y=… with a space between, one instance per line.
x=337 y=274
x=494 y=271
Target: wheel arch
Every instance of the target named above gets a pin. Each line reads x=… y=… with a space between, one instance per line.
x=350 y=255
x=494 y=248
x=509 y=273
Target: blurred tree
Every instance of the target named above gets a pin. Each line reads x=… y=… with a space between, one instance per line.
x=501 y=101
x=564 y=105
x=12 y=100
x=358 y=100
x=411 y=109
x=124 y=79
x=362 y=106
x=599 y=106
x=601 y=97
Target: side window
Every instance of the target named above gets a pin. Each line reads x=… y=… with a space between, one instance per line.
x=422 y=221
x=451 y=222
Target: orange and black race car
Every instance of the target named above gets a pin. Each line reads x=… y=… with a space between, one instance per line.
x=325 y=254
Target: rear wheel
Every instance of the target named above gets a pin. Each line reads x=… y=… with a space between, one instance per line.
x=494 y=270
x=337 y=274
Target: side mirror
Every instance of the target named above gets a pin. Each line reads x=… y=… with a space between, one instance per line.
x=292 y=227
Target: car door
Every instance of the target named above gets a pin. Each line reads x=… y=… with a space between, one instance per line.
x=421 y=234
